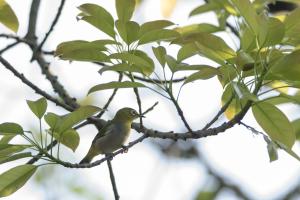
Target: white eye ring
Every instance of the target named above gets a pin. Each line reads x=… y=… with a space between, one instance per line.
x=133 y=112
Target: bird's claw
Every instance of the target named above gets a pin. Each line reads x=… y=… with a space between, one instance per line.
x=125 y=148
x=109 y=156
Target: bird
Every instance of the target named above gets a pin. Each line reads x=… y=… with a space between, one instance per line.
x=113 y=135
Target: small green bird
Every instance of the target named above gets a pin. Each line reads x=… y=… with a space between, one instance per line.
x=113 y=135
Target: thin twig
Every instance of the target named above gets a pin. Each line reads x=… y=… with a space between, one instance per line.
x=58 y=14
x=8 y=66
x=9 y=47
x=112 y=179
x=139 y=102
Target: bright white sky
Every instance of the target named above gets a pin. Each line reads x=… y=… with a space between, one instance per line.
x=143 y=173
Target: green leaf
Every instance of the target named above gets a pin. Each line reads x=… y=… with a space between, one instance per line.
x=204 y=8
x=248 y=39
x=228 y=74
x=123 y=67
x=292 y=27
x=70 y=138
x=10 y=128
x=154 y=25
x=274 y=33
x=38 y=107
x=236 y=104
x=128 y=30
x=15 y=178
x=98 y=17
x=205 y=73
x=73 y=118
x=8 y=149
x=247 y=11
x=125 y=9
x=158 y=35
x=160 y=53
x=14 y=157
x=205 y=44
x=137 y=58
x=81 y=50
x=244 y=61
x=6 y=139
x=296 y=125
x=242 y=91
x=197 y=28
x=186 y=67
x=52 y=120
x=113 y=85
x=288 y=67
x=274 y=123
x=172 y=63
x=8 y=17
x=272 y=151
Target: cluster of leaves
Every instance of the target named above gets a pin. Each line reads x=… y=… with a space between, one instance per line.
x=60 y=128
x=259 y=72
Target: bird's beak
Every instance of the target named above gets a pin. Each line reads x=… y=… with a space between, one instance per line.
x=142 y=116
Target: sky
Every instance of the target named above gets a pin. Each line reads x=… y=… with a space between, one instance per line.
x=142 y=173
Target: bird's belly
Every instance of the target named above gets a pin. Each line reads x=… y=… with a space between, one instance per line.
x=111 y=143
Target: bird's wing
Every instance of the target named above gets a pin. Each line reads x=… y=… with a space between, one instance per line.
x=103 y=131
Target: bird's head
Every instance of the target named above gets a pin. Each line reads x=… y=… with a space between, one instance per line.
x=127 y=114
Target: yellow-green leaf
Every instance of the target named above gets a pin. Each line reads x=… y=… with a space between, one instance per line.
x=81 y=50
x=98 y=17
x=211 y=6
x=128 y=30
x=274 y=123
x=154 y=25
x=160 y=53
x=38 y=107
x=8 y=17
x=8 y=149
x=70 y=138
x=125 y=9
x=15 y=178
x=10 y=128
x=197 y=28
x=113 y=85
x=14 y=157
x=205 y=73
x=158 y=35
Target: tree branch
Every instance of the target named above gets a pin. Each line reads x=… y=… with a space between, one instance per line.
x=112 y=179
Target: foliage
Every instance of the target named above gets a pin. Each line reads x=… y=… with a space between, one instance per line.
x=266 y=61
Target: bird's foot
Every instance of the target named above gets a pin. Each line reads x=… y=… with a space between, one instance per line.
x=125 y=148
x=109 y=156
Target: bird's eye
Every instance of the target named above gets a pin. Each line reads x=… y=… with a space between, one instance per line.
x=133 y=112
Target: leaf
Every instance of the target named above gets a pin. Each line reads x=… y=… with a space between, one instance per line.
x=154 y=25
x=236 y=104
x=296 y=125
x=288 y=67
x=15 y=178
x=172 y=63
x=272 y=151
x=73 y=118
x=160 y=53
x=186 y=67
x=128 y=30
x=52 y=120
x=137 y=58
x=14 y=157
x=197 y=28
x=8 y=149
x=244 y=61
x=38 y=107
x=273 y=34
x=98 y=17
x=6 y=139
x=113 y=84
x=205 y=73
x=274 y=123
x=125 y=9
x=204 y=8
x=10 y=128
x=228 y=74
x=205 y=44
x=292 y=27
x=81 y=50
x=8 y=17
x=242 y=91
x=70 y=138
x=158 y=35
x=123 y=67
x=247 y=11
